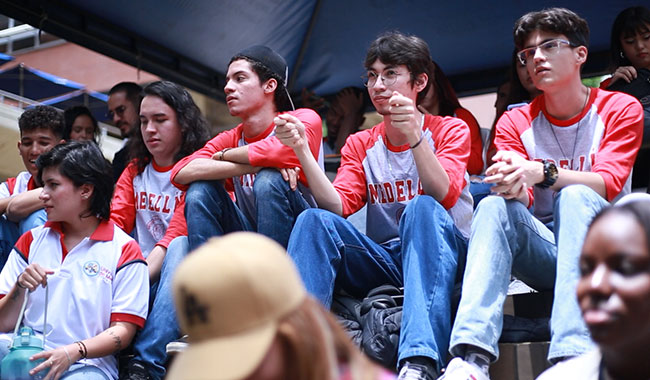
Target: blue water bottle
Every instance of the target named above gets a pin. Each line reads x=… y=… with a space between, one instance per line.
x=16 y=364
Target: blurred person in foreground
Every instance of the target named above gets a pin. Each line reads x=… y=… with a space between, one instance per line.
x=253 y=318
x=614 y=296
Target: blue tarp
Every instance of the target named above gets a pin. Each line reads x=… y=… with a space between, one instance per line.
x=4 y=58
x=35 y=84
x=95 y=101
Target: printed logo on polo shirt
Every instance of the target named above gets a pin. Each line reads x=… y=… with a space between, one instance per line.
x=91 y=268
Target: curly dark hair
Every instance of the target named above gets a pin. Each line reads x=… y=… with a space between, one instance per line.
x=395 y=48
x=71 y=114
x=553 y=20
x=83 y=163
x=42 y=117
x=280 y=96
x=194 y=127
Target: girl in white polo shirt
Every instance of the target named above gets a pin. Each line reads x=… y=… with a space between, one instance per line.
x=95 y=273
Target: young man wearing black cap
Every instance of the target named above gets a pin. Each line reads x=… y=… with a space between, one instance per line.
x=249 y=160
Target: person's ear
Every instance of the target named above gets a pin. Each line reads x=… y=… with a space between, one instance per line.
x=87 y=190
x=270 y=85
x=581 y=54
x=421 y=82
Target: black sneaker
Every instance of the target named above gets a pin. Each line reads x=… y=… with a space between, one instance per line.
x=412 y=371
x=137 y=371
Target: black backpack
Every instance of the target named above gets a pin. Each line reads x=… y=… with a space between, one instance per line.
x=374 y=322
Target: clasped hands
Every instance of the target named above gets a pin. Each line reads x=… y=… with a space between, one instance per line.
x=512 y=175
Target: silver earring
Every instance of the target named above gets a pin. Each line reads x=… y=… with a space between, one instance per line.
x=622 y=56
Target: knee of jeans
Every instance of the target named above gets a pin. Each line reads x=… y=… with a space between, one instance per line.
x=269 y=180
x=201 y=191
x=423 y=205
x=574 y=193
x=177 y=249
x=312 y=218
x=491 y=205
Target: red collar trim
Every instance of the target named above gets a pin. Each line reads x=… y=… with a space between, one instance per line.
x=260 y=136
x=103 y=232
x=159 y=168
x=31 y=184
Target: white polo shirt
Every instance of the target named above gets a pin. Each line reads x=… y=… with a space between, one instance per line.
x=103 y=279
x=17 y=185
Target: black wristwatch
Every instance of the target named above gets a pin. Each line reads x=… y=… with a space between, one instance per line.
x=550 y=174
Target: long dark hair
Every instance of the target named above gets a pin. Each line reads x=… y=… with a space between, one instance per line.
x=71 y=114
x=627 y=23
x=445 y=94
x=194 y=127
x=83 y=163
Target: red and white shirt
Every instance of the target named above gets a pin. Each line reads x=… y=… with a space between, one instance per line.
x=149 y=205
x=103 y=279
x=16 y=185
x=604 y=138
x=385 y=177
x=475 y=163
x=264 y=150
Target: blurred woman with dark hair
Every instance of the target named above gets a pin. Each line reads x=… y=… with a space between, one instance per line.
x=441 y=100
x=614 y=296
x=80 y=125
x=95 y=273
x=630 y=60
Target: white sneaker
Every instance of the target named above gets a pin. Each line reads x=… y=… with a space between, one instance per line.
x=458 y=369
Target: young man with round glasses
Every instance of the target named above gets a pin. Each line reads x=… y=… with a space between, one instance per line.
x=567 y=155
x=410 y=171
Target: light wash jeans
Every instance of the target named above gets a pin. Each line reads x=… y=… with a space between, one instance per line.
x=161 y=327
x=506 y=238
x=330 y=252
x=209 y=211
x=10 y=231
x=77 y=371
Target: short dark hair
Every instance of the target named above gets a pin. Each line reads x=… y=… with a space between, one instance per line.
x=42 y=117
x=395 y=48
x=71 y=114
x=280 y=96
x=552 y=20
x=132 y=90
x=83 y=163
x=627 y=23
x=194 y=127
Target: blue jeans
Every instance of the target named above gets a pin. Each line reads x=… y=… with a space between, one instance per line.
x=10 y=232
x=506 y=238
x=77 y=371
x=209 y=211
x=479 y=190
x=330 y=252
x=161 y=326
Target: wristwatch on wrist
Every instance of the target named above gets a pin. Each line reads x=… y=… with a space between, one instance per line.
x=550 y=174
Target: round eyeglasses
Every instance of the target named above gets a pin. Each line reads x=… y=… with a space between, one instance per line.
x=388 y=78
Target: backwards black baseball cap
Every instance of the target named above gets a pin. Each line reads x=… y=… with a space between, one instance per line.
x=269 y=58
